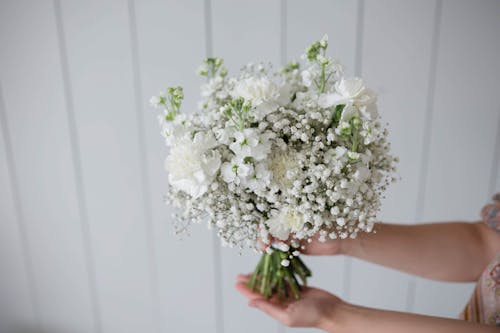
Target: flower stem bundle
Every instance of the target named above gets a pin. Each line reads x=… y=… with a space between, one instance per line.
x=279 y=273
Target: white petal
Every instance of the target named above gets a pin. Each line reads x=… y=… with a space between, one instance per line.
x=327 y=100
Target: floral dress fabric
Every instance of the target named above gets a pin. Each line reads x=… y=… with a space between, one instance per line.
x=484 y=305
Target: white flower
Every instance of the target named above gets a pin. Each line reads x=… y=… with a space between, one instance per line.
x=212 y=86
x=155 y=101
x=324 y=41
x=362 y=173
x=260 y=179
x=348 y=113
x=285 y=94
x=336 y=158
x=256 y=90
x=236 y=171
x=335 y=154
x=192 y=165
x=250 y=143
x=174 y=130
x=369 y=111
x=347 y=91
x=350 y=88
x=282 y=165
x=287 y=221
x=306 y=78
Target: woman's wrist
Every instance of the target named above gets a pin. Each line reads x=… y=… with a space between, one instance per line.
x=347 y=245
x=337 y=317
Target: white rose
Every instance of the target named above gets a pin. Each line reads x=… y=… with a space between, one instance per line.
x=192 y=165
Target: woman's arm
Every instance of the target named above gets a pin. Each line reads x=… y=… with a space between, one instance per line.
x=320 y=309
x=347 y=318
x=454 y=251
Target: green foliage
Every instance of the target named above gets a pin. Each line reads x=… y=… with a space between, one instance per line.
x=212 y=67
x=238 y=110
x=172 y=102
x=290 y=67
x=316 y=52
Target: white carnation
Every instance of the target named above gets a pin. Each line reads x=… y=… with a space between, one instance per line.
x=282 y=223
x=256 y=90
x=191 y=164
x=282 y=165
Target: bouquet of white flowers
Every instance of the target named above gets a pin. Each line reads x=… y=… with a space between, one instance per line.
x=274 y=158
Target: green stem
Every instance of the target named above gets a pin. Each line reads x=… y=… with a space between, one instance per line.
x=354 y=147
x=322 y=87
x=272 y=278
x=323 y=79
x=265 y=271
x=293 y=283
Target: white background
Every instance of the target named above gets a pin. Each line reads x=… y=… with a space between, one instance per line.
x=86 y=243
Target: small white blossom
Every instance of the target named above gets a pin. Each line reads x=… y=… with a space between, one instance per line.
x=251 y=143
x=155 y=101
x=236 y=171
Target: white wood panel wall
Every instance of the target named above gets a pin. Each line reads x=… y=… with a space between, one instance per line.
x=402 y=83
x=85 y=239
x=459 y=163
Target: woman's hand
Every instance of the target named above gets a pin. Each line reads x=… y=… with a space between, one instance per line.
x=329 y=247
x=319 y=309
x=315 y=308
x=315 y=247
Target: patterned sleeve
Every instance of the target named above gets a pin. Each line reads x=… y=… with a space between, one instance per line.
x=491 y=213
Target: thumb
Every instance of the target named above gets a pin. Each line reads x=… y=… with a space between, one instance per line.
x=274 y=310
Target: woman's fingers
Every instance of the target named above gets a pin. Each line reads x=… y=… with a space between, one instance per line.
x=243 y=277
x=275 y=310
x=243 y=289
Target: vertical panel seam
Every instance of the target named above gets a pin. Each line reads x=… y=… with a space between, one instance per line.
x=217 y=260
x=426 y=140
x=346 y=291
x=146 y=199
x=21 y=223
x=496 y=161
x=360 y=38
x=77 y=168
x=283 y=32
